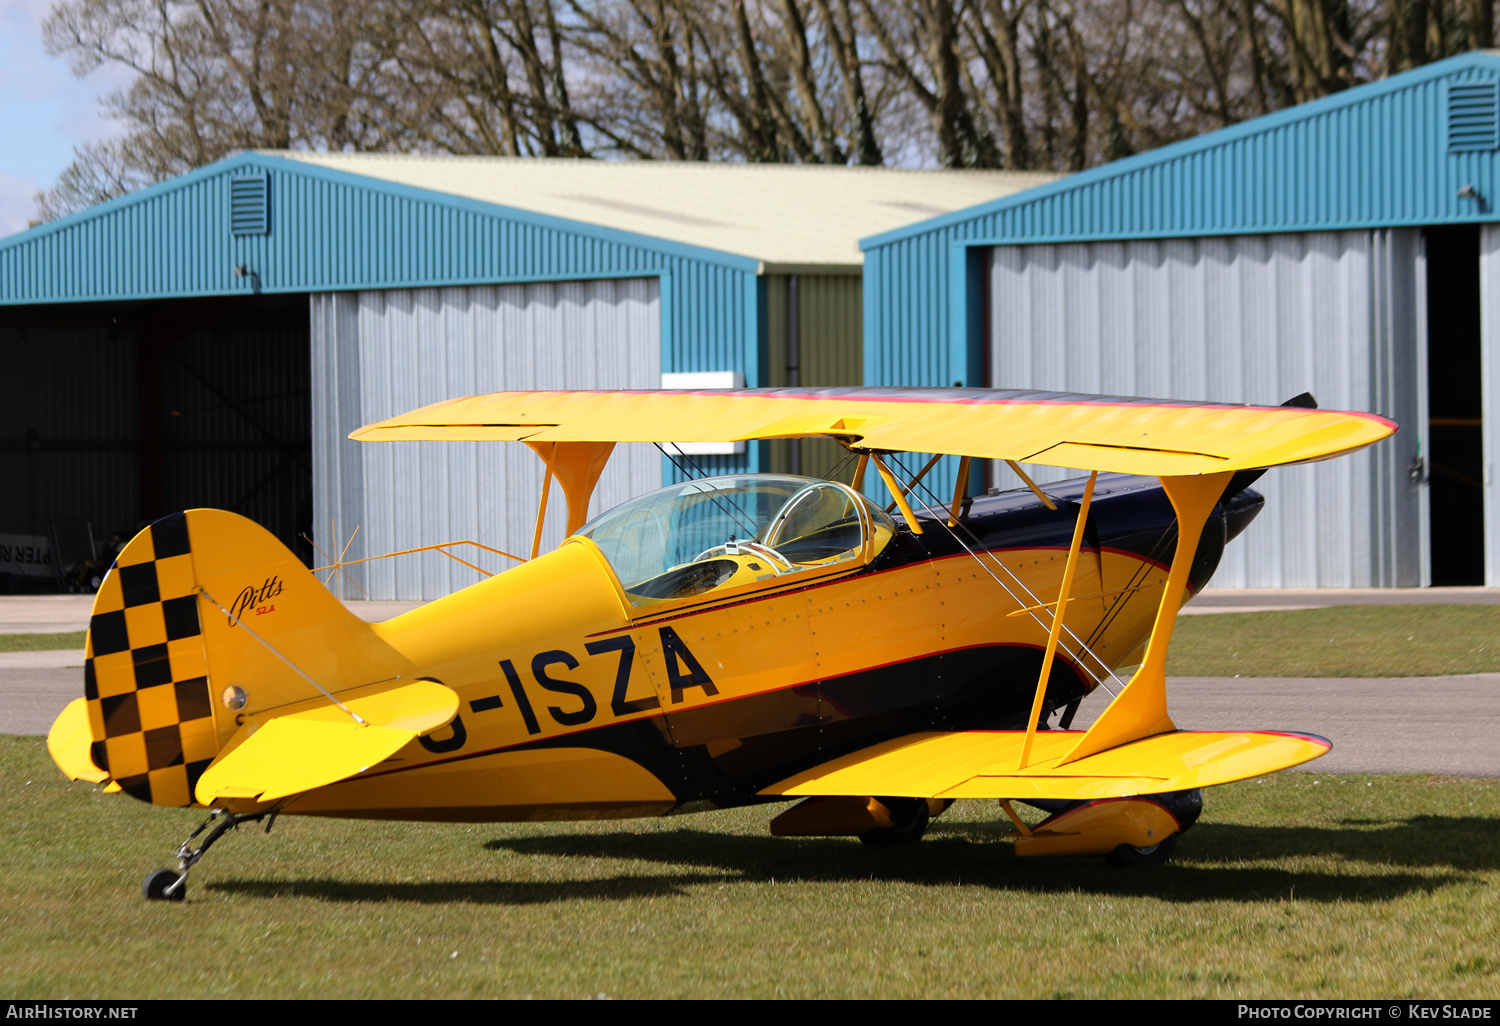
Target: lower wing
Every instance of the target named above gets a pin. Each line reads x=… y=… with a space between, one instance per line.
x=986 y=764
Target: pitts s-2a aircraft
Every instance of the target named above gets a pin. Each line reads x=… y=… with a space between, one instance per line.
x=724 y=641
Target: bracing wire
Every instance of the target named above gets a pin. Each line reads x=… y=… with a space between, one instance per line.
x=833 y=474
x=733 y=512
x=939 y=512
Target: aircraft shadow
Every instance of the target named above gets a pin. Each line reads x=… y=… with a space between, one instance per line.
x=1380 y=861
x=1462 y=843
x=466 y=892
x=955 y=858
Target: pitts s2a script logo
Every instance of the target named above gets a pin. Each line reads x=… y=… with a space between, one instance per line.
x=253 y=601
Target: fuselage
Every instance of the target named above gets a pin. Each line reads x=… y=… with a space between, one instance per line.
x=581 y=699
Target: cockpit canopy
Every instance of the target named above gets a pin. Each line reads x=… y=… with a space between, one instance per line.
x=721 y=532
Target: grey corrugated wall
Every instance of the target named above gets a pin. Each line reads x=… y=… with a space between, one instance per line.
x=1489 y=364
x=377 y=354
x=1243 y=319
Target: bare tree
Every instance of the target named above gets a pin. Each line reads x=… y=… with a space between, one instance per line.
x=99 y=172
x=216 y=76
x=1037 y=84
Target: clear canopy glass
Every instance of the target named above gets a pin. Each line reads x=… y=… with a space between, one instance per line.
x=720 y=532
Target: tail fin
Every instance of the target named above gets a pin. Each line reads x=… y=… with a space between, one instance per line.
x=163 y=659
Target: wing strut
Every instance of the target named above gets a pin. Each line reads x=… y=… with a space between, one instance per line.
x=898 y=493
x=1140 y=710
x=1046 y=501
x=906 y=488
x=859 y=472
x=1057 y=618
x=960 y=489
x=541 y=512
x=576 y=466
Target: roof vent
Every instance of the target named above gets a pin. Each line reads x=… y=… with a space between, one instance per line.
x=249 y=206
x=1473 y=116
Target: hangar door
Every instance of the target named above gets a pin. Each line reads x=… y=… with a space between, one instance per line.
x=380 y=353
x=1243 y=319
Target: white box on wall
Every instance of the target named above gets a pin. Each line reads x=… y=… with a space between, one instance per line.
x=703 y=380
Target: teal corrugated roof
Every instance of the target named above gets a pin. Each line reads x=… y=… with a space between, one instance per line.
x=323 y=230
x=1374 y=155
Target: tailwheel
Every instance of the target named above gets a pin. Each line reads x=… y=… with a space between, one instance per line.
x=164 y=885
x=171 y=884
x=909 y=818
x=1126 y=856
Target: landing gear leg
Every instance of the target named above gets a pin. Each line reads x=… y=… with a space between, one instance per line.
x=171 y=885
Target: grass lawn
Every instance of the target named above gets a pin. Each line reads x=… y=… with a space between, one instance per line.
x=40 y=642
x=1340 y=641
x=1295 y=885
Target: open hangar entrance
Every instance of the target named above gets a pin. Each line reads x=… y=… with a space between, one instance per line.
x=120 y=412
x=1453 y=442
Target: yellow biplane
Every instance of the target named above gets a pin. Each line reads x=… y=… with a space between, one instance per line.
x=722 y=641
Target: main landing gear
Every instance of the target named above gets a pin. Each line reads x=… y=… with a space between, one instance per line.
x=877 y=822
x=909 y=818
x=1140 y=830
x=1126 y=856
x=171 y=884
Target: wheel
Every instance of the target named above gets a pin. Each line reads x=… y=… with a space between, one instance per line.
x=1125 y=856
x=156 y=884
x=909 y=816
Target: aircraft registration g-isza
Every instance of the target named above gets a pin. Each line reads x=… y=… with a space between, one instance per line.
x=723 y=641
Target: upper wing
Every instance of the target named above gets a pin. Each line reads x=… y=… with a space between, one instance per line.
x=982 y=764
x=1105 y=433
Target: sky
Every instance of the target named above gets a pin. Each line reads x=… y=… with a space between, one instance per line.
x=45 y=111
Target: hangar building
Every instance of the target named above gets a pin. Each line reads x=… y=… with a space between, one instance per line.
x=210 y=341
x=1349 y=247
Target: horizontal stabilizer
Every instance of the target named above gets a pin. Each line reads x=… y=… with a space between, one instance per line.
x=68 y=743
x=982 y=764
x=320 y=744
